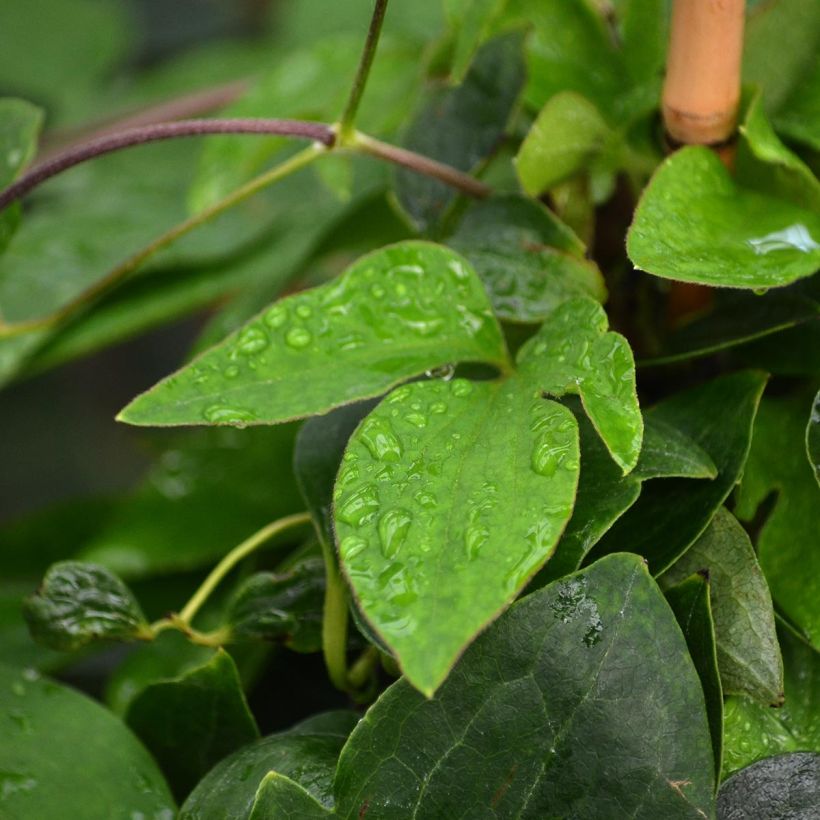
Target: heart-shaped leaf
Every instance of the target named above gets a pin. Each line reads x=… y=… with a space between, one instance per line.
x=747 y=648
x=78 y=603
x=531 y=723
x=394 y=314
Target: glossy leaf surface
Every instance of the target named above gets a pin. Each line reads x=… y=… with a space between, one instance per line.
x=747 y=648
x=787 y=543
x=512 y=733
x=695 y=224
x=306 y=754
x=62 y=755
x=461 y=126
x=813 y=437
x=672 y=514
x=529 y=261
x=690 y=602
x=78 y=603
x=279 y=796
x=192 y=722
x=784 y=786
x=392 y=315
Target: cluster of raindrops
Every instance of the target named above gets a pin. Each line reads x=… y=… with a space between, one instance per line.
x=573 y=603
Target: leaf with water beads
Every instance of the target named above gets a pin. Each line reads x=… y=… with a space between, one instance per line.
x=392 y=315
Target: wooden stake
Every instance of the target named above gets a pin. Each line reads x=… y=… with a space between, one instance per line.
x=702 y=89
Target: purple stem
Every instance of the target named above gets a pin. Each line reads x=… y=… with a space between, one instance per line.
x=316 y=131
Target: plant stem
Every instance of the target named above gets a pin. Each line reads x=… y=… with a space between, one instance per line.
x=348 y=118
x=364 y=144
x=362 y=668
x=239 y=552
x=117 y=274
x=110 y=143
x=334 y=619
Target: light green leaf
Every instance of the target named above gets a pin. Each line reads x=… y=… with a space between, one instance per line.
x=574 y=353
x=306 y=754
x=461 y=126
x=752 y=731
x=191 y=722
x=393 y=314
x=747 y=649
x=529 y=261
x=78 y=603
x=531 y=722
x=62 y=755
x=813 y=437
x=671 y=514
x=694 y=223
x=472 y=23
x=564 y=138
x=787 y=542
x=690 y=601
x=280 y=797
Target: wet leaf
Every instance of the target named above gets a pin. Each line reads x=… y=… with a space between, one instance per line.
x=191 y=722
x=529 y=261
x=752 y=731
x=306 y=754
x=285 y=607
x=784 y=786
x=671 y=514
x=747 y=649
x=813 y=437
x=461 y=126
x=78 y=603
x=786 y=544
x=690 y=602
x=279 y=796
x=62 y=755
x=512 y=733
x=694 y=223
x=393 y=314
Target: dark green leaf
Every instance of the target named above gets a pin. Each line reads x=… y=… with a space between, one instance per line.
x=690 y=603
x=747 y=649
x=531 y=722
x=787 y=542
x=461 y=126
x=472 y=23
x=62 y=755
x=672 y=514
x=78 y=603
x=813 y=437
x=392 y=315
x=284 y=607
x=752 y=732
x=280 y=797
x=786 y=786
x=306 y=754
x=694 y=223
x=528 y=260
x=192 y=722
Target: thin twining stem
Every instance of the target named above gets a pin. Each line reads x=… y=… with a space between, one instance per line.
x=318 y=132
x=363 y=72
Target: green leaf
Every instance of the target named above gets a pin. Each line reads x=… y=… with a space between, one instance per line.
x=747 y=649
x=531 y=722
x=604 y=493
x=186 y=515
x=565 y=137
x=472 y=23
x=786 y=544
x=784 y=786
x=799 y=116
x=670 y=515
x=694 y=223
x=284 y=607
x=78 y=603
x=752 y=731
x=62 y=755
x=574 y=353
x=191 y=722
x=690 y=601
x=393 y=314
x=279 y=796
x=528 y=260
x=461 y=126
x=813 y=437
x=306 y=754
